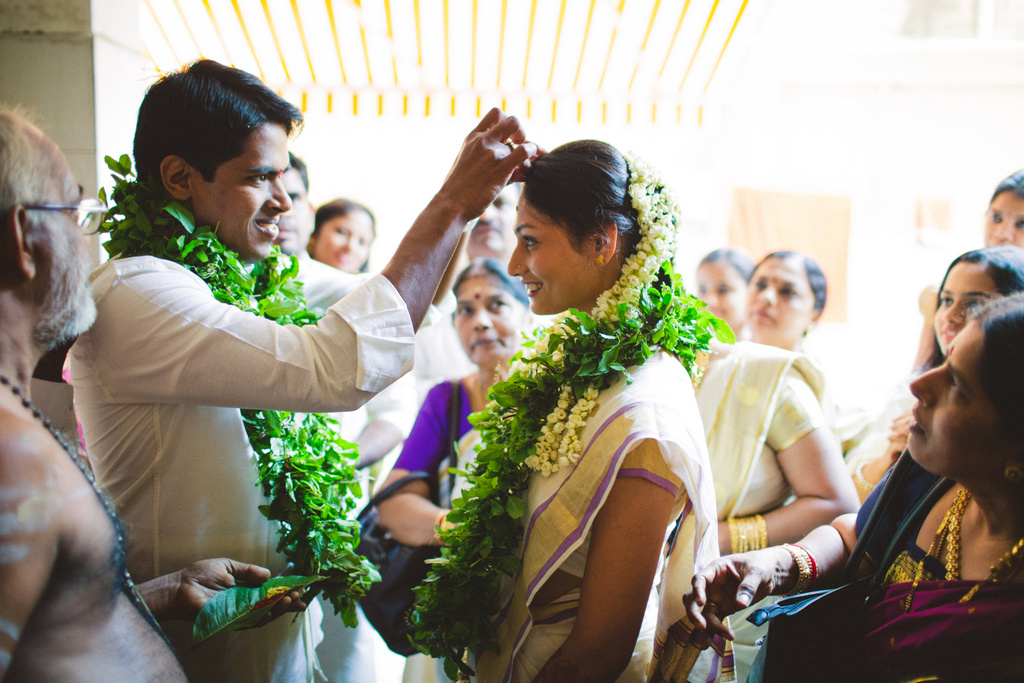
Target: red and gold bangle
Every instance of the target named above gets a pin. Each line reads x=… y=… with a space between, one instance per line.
x=804 y=564
x=814 y=564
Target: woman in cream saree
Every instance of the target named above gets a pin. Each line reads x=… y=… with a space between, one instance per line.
x=769 y=442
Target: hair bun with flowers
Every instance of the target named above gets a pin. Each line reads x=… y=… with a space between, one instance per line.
x=658 y=218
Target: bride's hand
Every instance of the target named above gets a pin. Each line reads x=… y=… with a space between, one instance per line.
x=490 y=154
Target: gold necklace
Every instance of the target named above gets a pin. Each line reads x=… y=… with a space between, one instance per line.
x=953 y=535
x=1003 y=570
x=955 y=512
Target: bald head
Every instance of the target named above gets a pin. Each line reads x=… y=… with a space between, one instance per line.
x=21 y=166
x=43 y=255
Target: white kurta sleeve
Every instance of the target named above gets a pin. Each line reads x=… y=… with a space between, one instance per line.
x=161 y=336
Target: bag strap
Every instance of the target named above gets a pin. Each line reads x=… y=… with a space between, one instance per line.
x=893 y=483
x=882 y=501
x=393 y=488
x=451 y=460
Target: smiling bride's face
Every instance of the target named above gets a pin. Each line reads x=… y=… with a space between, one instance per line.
x=557 y=273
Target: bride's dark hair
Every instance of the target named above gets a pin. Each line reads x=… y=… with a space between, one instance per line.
x=582 y=186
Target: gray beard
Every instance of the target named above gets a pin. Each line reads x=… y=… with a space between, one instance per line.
x=68 y=309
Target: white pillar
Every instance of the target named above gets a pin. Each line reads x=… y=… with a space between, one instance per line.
x=76 y=66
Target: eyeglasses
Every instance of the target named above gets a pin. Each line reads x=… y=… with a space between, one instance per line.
x=88 y=213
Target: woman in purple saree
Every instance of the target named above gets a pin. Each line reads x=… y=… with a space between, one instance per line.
x=952 y=603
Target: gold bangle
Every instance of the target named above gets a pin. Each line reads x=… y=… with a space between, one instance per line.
x=762 y=531
x=803 y=563
x=443 y=523
x=859 y=478
x=748 y=533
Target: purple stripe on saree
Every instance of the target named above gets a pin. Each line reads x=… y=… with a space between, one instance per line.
x=660 y=482
x=519 y=639
x=683 y=633
x=592 y=508
x=577 y=533
x=555 y=618
x=543 y=506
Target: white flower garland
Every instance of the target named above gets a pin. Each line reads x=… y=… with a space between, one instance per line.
x=658 y=216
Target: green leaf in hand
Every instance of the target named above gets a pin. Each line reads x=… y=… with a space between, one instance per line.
x=243 y=606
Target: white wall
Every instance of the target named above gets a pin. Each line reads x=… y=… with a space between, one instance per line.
x=830 y=100
x=75 y=65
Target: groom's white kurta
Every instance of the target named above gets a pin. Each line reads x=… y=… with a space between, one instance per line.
x=159 y=381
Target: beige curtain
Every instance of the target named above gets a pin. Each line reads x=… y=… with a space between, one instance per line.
x=762 y=222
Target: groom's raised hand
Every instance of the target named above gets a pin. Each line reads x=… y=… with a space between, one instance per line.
x=494 y=153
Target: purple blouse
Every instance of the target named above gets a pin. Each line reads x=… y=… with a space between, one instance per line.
x=429 y=442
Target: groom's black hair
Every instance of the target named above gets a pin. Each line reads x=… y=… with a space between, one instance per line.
x=204 y=114
x=582 y=186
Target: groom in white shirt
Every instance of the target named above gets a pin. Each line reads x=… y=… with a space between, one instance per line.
x=161 y=377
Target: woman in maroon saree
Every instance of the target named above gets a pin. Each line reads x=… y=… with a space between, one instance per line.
x=952 y=602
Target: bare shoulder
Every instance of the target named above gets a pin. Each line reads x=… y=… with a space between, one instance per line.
x=41 y=486
x=29 y=524
x=44 y=496
x=27 y=450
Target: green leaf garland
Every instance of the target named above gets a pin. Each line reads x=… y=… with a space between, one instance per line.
x=457 y=601
x=305 y=469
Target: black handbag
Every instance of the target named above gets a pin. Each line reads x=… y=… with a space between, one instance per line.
x=816 y=636
x=388 y=603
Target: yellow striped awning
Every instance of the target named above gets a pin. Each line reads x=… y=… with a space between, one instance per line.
x=632 y=60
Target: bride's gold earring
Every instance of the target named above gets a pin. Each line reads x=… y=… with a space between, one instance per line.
x=600 y=259
x=1014 y=472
